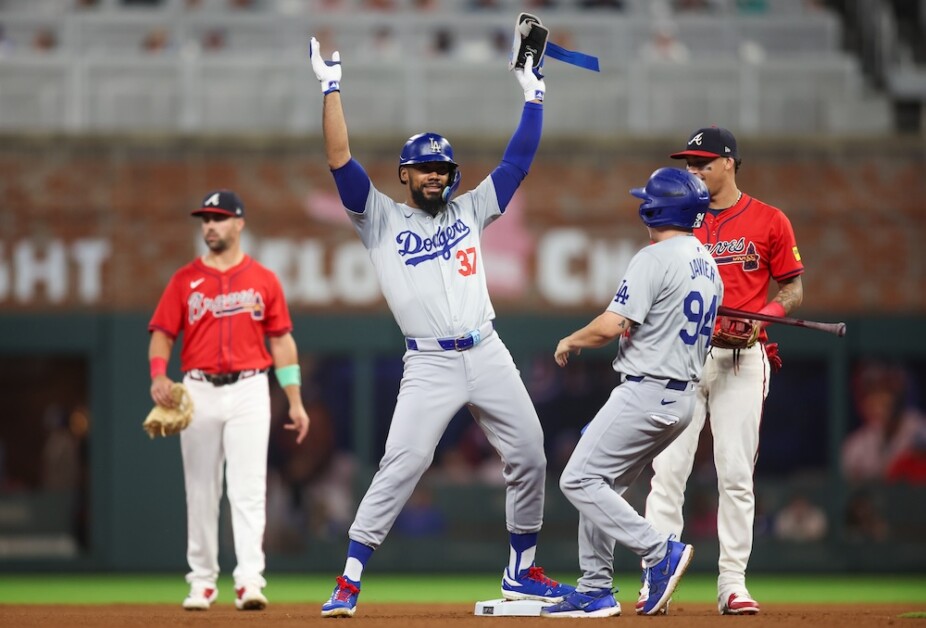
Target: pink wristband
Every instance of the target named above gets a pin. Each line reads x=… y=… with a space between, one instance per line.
x=158 y=367
x=774 y=309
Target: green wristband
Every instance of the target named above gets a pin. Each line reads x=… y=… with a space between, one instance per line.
x=289 y=375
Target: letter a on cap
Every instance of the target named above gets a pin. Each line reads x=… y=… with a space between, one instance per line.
x=212 y=200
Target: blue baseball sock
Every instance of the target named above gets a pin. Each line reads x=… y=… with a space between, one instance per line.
x=523 y=549
x=357 y=556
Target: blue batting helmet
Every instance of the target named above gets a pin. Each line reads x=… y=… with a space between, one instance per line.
x=673 y=197
x=431 y=147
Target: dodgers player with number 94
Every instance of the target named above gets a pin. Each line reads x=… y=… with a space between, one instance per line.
x=427 y=255
x=663 y=312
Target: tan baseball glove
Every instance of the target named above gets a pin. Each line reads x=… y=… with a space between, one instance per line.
x=735 y=333
x=164 y=421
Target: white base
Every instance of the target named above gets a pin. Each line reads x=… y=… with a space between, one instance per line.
x=510 y=608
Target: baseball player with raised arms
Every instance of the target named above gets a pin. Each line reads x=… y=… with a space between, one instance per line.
x=752 y=243
x=428 y=258
x=226 y=305
x=663 y=313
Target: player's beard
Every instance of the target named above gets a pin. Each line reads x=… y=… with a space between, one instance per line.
x=218 y=245
x=433 y=206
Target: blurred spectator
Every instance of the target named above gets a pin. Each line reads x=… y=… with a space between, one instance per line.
x=479 y=49
x=910 y=466
x=310 y=486
x=801 y=521
x=484 y=5
x=156 y=40
x=893 y=432
x=381 y=45
x=664 y=45
x=562 y=37
x=443 y=43
x=701 y=522
x=420 y=517
x=379 y=5
x=213 y=40
x=60 y=453
x=329 y=6
x=752 y=7
x=693 y=6
x=501 y=42
x=764 y=526
x=614 y=5
x=453 y=468
x=425 y=5
x=44 y=40
x=863 y=520
x=6 y=46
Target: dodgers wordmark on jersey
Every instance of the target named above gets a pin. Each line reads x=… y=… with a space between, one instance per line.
x=410 y=250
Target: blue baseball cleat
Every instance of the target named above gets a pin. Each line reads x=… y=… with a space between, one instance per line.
x=664 y=577
x=531 y=584
x=598 y=603
x=343 y=602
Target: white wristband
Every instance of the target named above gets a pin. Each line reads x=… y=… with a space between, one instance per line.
x=533 y=94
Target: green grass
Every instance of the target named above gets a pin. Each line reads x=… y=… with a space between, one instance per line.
x=378 y=587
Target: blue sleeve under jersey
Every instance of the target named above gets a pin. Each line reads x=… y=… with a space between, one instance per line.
x=353 y=185
x=519 y=155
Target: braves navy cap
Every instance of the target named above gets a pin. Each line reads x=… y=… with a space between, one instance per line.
x=221 y=202
x=709 y=142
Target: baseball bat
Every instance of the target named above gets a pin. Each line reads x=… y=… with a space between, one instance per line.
x=838 y=329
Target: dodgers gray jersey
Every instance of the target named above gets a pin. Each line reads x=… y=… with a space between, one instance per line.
x=671 y=290
x=430 y=268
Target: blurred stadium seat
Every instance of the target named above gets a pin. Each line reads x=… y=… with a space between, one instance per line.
x=172 y=69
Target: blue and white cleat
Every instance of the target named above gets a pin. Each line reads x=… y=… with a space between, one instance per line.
x=532 y=584
x=664 y=577
x=343 y=601
x=598 y=603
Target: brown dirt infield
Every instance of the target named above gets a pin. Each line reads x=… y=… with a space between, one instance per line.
x=421 y=616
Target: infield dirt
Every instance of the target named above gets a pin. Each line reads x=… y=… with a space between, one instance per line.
x=421 y=616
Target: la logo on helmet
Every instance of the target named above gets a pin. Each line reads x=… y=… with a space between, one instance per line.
x=435 y=146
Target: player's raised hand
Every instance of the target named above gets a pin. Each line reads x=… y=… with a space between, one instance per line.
x=531 y=80
x=327 y=72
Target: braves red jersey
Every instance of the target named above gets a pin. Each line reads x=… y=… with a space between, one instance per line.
x=752 y=243
x=225 y=317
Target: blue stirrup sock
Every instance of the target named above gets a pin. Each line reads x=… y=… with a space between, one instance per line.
x=357 y=556
x=523 y=550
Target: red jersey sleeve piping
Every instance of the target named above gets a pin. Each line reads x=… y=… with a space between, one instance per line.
x=278 y=332
x=153 y=328
x=793 y=273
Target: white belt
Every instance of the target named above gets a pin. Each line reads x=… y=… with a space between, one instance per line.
x=461 y=343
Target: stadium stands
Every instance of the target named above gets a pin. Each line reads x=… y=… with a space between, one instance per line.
x=179 y=65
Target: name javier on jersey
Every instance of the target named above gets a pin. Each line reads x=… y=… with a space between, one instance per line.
x=700 y=267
